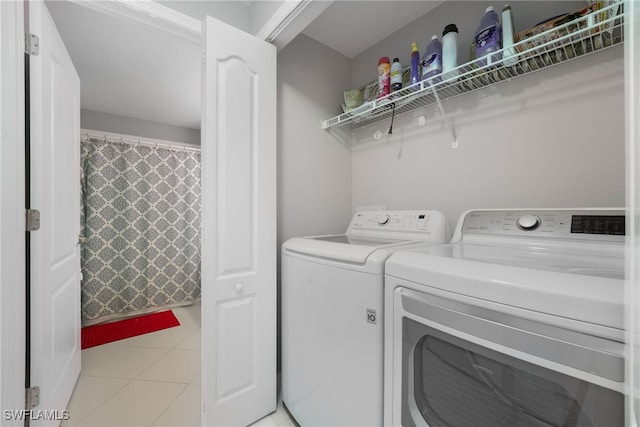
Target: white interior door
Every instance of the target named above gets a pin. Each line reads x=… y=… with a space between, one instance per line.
x=12 y=235
x=55 y=191
x=238 y=227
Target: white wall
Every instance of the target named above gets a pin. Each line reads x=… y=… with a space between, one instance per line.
x=106 y=122
x=232 y=12
x=261 y=12
x=551 y=139
x=247 y=18
x=314 y=172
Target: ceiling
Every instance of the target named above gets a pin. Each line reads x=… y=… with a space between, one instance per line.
x=138 y=71
x=131 y=70
x=347 y=26
x=351 y=27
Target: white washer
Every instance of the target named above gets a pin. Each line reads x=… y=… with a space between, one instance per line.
x=332 y=323
x=517 y=322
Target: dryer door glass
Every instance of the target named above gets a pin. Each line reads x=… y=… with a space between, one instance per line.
x=452 y=382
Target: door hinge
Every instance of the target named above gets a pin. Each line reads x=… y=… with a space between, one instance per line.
x=32 y=397
x=33 y=219
x=31 y=44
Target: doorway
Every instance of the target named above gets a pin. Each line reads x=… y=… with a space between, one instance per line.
x=129 y=73
x=239 y=296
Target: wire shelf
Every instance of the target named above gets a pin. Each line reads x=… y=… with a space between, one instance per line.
x=585 y=35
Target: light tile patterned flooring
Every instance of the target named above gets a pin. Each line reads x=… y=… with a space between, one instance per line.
x=149 y=380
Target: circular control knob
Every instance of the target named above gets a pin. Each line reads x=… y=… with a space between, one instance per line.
x=384 y=219
x=528 y=222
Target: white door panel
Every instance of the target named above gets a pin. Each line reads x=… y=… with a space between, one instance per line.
x=55 y=191
x=238 y=227
x=236 y=179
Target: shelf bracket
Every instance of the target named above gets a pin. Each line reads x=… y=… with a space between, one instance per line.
x=341 y=136
x=454 y=144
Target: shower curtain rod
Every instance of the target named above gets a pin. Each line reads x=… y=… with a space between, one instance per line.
x=134 y=140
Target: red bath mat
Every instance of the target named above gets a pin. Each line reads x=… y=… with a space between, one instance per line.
x=109 y=332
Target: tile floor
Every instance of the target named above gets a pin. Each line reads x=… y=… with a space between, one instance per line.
x=149 y=380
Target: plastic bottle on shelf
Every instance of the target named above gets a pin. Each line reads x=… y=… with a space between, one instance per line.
x=449 y=51
x=396 y=75
x=384 y=71
x=509 y=52
x=432 y=60
x=488 y=38
x=415 y=73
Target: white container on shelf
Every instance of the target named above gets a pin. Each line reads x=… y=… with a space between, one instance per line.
x=509 y=54
x=449 y=51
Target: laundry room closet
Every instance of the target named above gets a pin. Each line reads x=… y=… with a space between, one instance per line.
x=551 y=138
x=554 y=137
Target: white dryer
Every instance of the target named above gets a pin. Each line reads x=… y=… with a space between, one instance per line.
x=332 y=315
x=517 y=322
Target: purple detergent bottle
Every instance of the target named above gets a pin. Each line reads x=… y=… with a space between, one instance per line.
x=488 y=38
x=432 y=60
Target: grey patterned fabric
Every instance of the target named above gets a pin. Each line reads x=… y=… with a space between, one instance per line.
x=141 y=221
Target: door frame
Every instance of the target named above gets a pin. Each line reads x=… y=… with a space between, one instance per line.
x=632 y=289
x=12 y=211
x=285 y=24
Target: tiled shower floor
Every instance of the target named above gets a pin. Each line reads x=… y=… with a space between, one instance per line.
x=149 y=380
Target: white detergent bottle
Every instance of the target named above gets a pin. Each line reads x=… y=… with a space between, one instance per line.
x=449 y=51
x=508 y=41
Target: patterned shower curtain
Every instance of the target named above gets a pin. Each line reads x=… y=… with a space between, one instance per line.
x=141 y=223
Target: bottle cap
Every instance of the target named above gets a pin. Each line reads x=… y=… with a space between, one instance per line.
x=451 y=28
x=489 y=9
x=383 y=60
x=396 y=59
x=506 y=7
x=414 y=47
x=434 y=37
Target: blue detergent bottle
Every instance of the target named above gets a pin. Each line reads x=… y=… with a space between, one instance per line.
x=488 y=38
x=432 y=60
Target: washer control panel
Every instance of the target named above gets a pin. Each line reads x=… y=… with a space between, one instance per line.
x=428 y=225
x=528 y=222
x=391 y=220
x=583 y=224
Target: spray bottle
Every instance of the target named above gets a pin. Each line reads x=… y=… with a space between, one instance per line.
x=415 y=64
x=384 y=80
x=396 y=75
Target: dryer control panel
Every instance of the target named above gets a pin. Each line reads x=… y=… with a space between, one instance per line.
x=576 y=224
x=404 y=225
